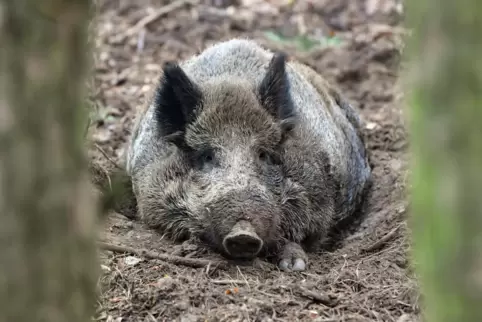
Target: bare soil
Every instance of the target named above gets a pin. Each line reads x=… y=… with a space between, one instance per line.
x=368 y=276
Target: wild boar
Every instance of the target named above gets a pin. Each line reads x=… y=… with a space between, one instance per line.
x=250 y=153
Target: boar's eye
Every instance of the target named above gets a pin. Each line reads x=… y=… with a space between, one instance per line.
x=205 y=158
x=267 y=157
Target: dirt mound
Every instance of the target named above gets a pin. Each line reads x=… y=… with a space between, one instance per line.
x=367 y=278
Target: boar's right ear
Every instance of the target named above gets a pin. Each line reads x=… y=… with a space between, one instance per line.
x=175 y=100
x=274 y=89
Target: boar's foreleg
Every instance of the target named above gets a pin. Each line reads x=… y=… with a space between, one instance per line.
x=292 y=258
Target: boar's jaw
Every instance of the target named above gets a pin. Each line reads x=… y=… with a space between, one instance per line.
x=176 y=101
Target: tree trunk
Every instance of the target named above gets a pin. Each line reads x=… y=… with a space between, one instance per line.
x=48 y=259
x=445 y=106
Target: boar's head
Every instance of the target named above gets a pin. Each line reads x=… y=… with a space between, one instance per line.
x=230 y=133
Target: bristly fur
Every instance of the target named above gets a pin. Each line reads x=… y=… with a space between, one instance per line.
x=256 y=138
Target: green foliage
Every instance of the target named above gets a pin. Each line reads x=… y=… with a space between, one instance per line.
x=303 y=42
x=444 y=106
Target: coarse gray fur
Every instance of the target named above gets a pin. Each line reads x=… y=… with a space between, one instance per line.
x=321 y=180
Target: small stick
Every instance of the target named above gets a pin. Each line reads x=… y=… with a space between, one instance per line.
x=107 y=156
x=228 y=282
x=176 y=260
x=382 y=241
x=317 y=297
x=87 y=127
x=158 y=14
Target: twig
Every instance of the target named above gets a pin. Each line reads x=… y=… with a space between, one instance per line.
x=382 y=241
x=176 y=260
x=228 y=282
x=328 y=300
x=87 y=127
x=141 y=24
x=107 y=156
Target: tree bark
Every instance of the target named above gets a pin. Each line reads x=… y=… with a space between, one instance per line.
x=445 y=106
x=48 y=214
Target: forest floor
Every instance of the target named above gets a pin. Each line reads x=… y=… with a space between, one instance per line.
x=354 y=43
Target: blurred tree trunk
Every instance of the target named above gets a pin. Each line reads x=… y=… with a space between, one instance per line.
x=48 y=260
x=445 y=106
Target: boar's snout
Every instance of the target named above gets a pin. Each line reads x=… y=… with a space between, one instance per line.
x=242 y=241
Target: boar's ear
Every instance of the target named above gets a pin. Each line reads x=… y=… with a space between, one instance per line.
x=175 y=101
x=274 y=89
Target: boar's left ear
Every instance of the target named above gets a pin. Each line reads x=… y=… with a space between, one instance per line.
x=274 y=89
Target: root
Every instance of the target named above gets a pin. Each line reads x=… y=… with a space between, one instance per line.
x=176 y=260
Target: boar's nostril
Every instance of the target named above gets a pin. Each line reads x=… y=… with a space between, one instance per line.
x=242 y=241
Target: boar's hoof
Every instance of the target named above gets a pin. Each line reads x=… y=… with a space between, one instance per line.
x=242 y=241
x=292 y=258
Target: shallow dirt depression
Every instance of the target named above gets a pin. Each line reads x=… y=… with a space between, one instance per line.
x=367 y=277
